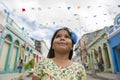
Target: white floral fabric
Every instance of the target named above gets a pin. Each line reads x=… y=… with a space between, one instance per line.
x=46 y=69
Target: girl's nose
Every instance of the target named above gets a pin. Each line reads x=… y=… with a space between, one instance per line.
x=62 y=38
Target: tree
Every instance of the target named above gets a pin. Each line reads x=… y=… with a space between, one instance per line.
x=29 y=65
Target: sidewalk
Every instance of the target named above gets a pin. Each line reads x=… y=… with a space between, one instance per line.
x=23 y=76
x=9 y=76
x=15 y=76
x=105 y=76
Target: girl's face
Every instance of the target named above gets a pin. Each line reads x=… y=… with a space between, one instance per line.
x=62 y=41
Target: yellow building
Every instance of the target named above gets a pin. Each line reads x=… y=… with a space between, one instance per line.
x=99 y=52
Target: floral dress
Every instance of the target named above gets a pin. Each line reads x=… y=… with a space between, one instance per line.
x=46 y=69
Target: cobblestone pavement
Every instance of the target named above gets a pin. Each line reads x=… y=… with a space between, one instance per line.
x=92 y=78
x=25 y=76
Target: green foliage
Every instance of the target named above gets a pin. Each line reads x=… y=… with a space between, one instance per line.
x=29 y=65
x=26 y=66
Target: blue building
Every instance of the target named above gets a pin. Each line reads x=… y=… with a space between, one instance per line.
x=114 y=43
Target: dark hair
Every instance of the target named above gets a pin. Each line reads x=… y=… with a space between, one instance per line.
x=51 y=53
x=21 y=61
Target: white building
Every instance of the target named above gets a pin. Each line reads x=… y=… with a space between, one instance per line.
x=44 y=48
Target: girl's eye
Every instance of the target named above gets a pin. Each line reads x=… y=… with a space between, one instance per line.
x=57 y=36
x=67 y=36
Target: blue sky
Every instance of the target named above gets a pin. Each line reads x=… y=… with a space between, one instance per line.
x=40 y=18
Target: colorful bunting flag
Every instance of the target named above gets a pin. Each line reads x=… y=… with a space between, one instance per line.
x=46 y=23
x=49 y=7
x=88 y=6
x=53 y=22
x=77 y=18
x=22 y=28
x=99 y=6
x=86 y=17
x=14 y=10
x=94 y=16
x=59 y=7
x=5 y=11
x=28 y=34
x=119 y=6
x=23 y=10
x=105 y=14
x=39 y=9
x=68 y=7
x=32 y=8
x=78 y=7
x=69 y=20
x=41 y=25
x=76 y=14
x=104 y=20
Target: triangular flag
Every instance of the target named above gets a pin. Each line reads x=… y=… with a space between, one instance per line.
x=119 y=5
x=68 y=7
x=88 y=6
x=5 y=11
x=22 y=28
x=94 y=16
x=53 y=22
x=23 y=10
x=32 y=8
x=39 y=9
x=78 y=7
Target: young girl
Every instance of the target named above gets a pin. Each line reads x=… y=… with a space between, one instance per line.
x=58 y=64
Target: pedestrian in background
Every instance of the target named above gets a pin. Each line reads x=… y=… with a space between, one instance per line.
x=86 y=65
x=101 y=65
x=58 y=64
x=96 y=65
x=20 y=65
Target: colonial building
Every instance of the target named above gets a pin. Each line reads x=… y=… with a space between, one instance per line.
x=38 y=45
x=94 y=47
x=114 y=42
x=15 y=44
x=84 y=41
x=99 y=51
x=42 y=47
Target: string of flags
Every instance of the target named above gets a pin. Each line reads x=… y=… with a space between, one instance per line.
x=23 y=9
x=68 y=8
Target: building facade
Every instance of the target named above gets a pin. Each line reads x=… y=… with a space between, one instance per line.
x=15 y=45
x=44 y=48
x=94 y=48
x=99 y=52
x=84 y=41
x=114 y=42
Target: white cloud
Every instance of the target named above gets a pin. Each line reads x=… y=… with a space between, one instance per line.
x=91 y=15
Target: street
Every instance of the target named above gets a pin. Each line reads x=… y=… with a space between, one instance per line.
x=25 y=76
x=91 y=78
x=88 y=78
